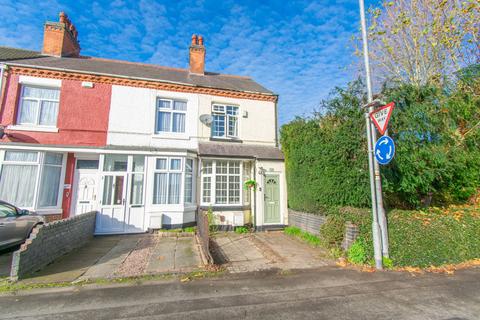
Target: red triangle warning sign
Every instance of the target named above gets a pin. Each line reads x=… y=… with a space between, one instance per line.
x=381 y=116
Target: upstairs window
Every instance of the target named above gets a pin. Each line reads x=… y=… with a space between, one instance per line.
x=38 y=106
x=225 y=121
x=170 y=116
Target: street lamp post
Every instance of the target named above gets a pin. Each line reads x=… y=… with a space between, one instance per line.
x=379 y=225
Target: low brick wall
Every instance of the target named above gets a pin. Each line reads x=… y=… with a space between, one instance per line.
x=311 y=223
x=50 y=241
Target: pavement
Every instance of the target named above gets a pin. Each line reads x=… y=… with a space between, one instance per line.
x=320 y=293
x=266 y=250
x=122 y=256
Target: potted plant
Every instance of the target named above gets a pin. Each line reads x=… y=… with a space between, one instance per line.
x=250 y=184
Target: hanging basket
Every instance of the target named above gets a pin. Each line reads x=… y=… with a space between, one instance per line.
x=250 y=184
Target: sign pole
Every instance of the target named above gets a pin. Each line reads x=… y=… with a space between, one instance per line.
x=373 y=166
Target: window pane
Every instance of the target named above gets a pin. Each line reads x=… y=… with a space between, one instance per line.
x=180 y=105
x=188 y=188
x=232 y=126
x=118 y=190
x=221 y=190
x=48 y=113
x=160 y=188
x=174 y=188
x=22 y=156
x=107 y=190
x=234 y=167
x=87 y=164
x=17 y=184
x=138 y=163
x=164 y=104
x=178 y=124
x=163 y=121
x=136 y=192
x=7 y=211
x=49 y=186
x=28 y=112
x=53 y=158
x=175 y=164
x=234 y=189
x=233 y=111
x=207 y=187
x=221 y=167
x=41 y=93
x=115 y=162
x=218 y=126
x=161 y=164
x=207 y=167
x=189 y=166
x=217 y=108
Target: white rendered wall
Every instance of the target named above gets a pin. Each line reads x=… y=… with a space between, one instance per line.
x=132 y=119
x=257 y=128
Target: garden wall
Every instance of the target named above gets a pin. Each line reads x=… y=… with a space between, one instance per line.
x=311 y=223
x=50 y=241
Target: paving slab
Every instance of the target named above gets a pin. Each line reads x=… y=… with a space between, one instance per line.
x=267 y=250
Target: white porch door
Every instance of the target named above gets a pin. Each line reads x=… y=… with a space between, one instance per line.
x=111 y=218
x=85 y=191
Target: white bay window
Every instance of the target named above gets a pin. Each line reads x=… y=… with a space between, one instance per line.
x=221 y=182
x=31 y=179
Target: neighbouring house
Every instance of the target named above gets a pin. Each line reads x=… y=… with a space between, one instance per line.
x=145 y=146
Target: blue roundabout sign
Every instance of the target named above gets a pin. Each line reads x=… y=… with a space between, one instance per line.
x=384 y=150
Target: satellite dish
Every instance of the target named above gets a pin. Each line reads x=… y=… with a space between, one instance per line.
x=206 y=119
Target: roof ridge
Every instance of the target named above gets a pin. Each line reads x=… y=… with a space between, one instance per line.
x=159 y=66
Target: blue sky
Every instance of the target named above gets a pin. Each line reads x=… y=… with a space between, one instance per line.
x=300 y=50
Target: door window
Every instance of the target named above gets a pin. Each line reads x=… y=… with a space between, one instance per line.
x=7 y=211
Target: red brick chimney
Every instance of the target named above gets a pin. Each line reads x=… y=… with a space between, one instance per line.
x=60 y=38
x=197 y=55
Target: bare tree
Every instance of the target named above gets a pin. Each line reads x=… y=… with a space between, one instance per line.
x=421 y=41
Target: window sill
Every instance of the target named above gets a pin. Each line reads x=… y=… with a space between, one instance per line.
x=32 y=128
x=226 y=139
x=170 y=135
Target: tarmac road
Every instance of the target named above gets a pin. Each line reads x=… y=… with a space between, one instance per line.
x=325 y=293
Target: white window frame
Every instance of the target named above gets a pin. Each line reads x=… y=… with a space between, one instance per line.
x=40 y=163
x=221 y=110
x=192 y=177
x=171 y=111
x=39 y=106
x=169 y=171
x=213 y=186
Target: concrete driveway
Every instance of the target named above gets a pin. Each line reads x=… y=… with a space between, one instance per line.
x=123 y=256
x=266 y=250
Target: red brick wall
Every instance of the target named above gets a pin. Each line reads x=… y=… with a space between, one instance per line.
x=67 y=193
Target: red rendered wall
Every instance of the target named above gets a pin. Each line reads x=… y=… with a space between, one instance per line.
x=82 y=116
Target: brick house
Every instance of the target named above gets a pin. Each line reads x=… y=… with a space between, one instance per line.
x=145 y=146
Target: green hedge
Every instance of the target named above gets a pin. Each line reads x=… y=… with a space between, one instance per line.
x=423 y=238
x=437 y=161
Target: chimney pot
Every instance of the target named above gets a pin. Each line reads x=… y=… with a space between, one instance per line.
x=194 y=39
x=200 y=40
x=62 y=17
